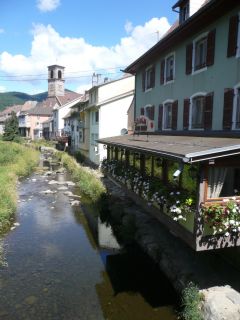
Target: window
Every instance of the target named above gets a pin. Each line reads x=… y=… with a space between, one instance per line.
x=95 y=117
x=148 y=78
x=223 y=182
x=167 y=116
x=59 y=74
x=200 y=58
x=197 y=112
x=167 y=69
x=94 y=137
x=201 y=52
x=51 y=74
x=81 y=135
x=184 y=12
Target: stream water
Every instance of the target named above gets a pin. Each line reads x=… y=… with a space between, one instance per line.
x=53 y=268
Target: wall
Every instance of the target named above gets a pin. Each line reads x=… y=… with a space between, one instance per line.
x=115 y=88
x=225 y=73
x=113 y=118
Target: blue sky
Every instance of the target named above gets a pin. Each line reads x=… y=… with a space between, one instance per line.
x=84 y=36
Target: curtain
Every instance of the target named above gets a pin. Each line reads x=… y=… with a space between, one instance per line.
x=216 y=178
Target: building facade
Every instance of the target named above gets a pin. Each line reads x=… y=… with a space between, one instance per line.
x=186 y=135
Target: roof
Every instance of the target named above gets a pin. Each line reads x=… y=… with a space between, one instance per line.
x=208 y=13
x=40 y=110
x=188 y=149
x=68 y=97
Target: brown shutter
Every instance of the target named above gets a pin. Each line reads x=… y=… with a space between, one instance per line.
x=211 y=47
x=208 y=111
x=228 y=109
x=160 y=115
x=152 y=109
x=162 y=72
x=143 y=80
x=142 y=112
x=232 y=36
x=186 y=107
x=189 y=50
x=174 y=114
x=152 y=84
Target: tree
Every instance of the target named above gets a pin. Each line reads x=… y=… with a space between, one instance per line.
x=11 y=131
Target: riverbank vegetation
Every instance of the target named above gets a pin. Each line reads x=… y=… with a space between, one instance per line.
x=16 y=161
x=86 y=179
x=191 y=301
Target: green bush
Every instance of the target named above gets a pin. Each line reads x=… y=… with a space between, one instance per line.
x=191 y=300
x=15 y=161
x=85 y=178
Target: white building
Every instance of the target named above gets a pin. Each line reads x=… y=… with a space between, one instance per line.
x=108 y=107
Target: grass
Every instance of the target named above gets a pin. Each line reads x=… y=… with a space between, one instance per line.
x=15 y=161
x=86 y=179
x=191 y=300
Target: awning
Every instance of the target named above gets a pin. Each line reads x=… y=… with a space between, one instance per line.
x=188 y=149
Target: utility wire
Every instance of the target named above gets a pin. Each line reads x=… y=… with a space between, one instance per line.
x=65 y=73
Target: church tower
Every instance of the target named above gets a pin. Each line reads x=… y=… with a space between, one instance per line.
x=55 y=81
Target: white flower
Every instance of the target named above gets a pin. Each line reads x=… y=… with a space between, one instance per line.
x=225 y=200
x=227 y=234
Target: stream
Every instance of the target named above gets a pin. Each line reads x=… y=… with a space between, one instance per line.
x=52 y=267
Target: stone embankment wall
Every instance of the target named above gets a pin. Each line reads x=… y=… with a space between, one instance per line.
x=217 y=280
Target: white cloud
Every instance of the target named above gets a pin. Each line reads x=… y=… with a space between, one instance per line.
x=2 y=89
x=79 y=57
x=128 y=27
x=2 y=30
x=47 y=5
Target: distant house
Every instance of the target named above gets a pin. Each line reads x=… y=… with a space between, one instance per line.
x=185 y=148
x=105 y=114
x=74 y=124
x=46 y=118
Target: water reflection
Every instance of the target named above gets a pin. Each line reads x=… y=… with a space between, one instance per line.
x=57 y=271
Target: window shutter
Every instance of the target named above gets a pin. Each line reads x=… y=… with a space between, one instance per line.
x=186 y=107
x=143 y=80
x=211 y=47
x=152 y=109
x=142 y=112
x=174 y=114
x=208 y=111
x=160 y=116
x=162 y=72
x=228 y=109
x=189 y=50
x=232 y=36
x=153 y=77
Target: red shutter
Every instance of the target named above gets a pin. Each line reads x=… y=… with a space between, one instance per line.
x=162 y=72
x=142 y=112
x=174 y=114
x=160 y=116
x=186 y=107
x=152 y=84
x=189 y=50
x=228 y=109
x=232 y=36
x=211 y=47
x=208 y=111
x=143 y=80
